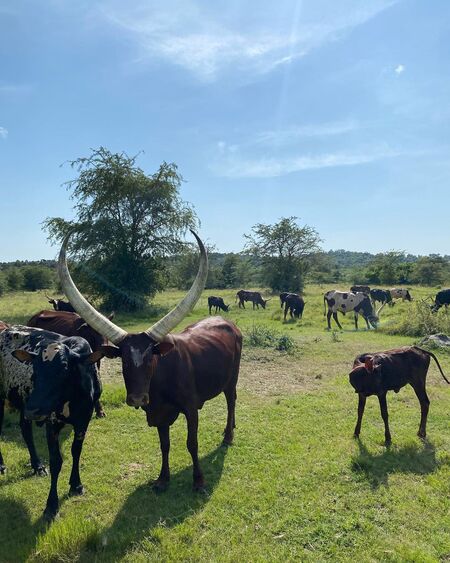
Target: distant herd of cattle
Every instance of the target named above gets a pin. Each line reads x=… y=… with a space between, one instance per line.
x=361 y=300
x=49 y=368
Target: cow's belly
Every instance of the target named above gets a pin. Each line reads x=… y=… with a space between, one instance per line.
x=164 y=414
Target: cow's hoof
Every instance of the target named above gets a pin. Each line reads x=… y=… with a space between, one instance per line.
x=227 y=442
x=356 y=436
x=40 y=471
x=50 y=514
x=388 y=442
x=100 y=414
x=76 y=491
x=160 y=486
x=422 y=435
x=2 y=469
x=199 y=488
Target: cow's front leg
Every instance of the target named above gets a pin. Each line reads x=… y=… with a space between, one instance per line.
x=361 y=407
x=356 y=321
x=2 y=414
x=53 y=430
x=192 y=446
x=162 y=482
x=385 y=416
x=99 y=412
x=230 y=395
x=27 y=433
x=76 y=488
x=424 y=407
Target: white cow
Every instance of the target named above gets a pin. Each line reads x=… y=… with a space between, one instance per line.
x=345 y=301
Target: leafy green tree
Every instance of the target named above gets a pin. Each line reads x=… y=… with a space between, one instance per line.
x=14 y=278
x=37 y=277
x=126 y=223
x=285 y=250
x=430 y=270
x=229 y=272
x=387 y=267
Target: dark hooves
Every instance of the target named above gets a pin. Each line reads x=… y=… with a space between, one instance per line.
x=226 y=443
x=40 y=471
x=100 y=414
x=76 y=491
x=160 y=486
x=200 y=489
x=50 y=514
x=2 y=469
x=356 y=436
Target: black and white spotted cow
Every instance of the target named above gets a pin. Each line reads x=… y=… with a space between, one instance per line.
x=403 y=294
x=51 y=379
x=344 y=302
x=383 y=296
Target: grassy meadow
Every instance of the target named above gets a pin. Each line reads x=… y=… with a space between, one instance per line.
x=294 y=486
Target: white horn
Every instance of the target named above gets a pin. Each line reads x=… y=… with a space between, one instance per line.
x=93 y=318
x=161 y=328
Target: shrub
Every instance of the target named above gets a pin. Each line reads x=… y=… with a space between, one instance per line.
x=420 y=321
x=265 y=337
x=37 y=277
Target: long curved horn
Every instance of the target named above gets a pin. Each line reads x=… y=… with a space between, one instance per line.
x=159 y=330
x=93 y=318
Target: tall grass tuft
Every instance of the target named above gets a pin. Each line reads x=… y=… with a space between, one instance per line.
x=419 y=320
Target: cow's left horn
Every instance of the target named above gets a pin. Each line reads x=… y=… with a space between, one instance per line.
x=159 y=330
x=93 y=318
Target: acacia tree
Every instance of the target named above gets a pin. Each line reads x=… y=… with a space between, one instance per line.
x=126 y=222
x=284 y=249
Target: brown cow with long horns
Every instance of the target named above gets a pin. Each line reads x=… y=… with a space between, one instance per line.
x=168 y=374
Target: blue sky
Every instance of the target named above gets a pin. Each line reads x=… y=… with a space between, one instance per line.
x=336 y=111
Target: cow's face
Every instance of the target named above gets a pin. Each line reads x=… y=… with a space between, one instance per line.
x=365 y=378
x=408 y=296
x=59 y=374
x=226 y=308
x=137 y=352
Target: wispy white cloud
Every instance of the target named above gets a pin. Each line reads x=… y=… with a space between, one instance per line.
x=189 y=36
x=3 y=132
x=399 y=69
x=282 y=136
x=236 y=167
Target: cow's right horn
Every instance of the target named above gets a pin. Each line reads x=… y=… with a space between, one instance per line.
x=93 y=318
x=162 y=327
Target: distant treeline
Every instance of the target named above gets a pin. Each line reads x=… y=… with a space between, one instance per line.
x=235 y=270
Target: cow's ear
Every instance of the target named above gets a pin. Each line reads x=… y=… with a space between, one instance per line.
x=162 y=348
x=369 y=364
x=106 y=350
x=24 y=355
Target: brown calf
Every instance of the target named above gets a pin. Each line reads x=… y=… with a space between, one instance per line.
x=380 y=372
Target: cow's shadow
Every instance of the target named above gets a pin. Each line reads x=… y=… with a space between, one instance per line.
x=144 y=510
x=417 y=458
x=17 y=533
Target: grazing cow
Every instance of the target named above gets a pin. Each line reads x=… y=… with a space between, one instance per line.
x=383 y=296
x=71 y=324
x=60 y=305
x=168 y=374
x=402 y=294
x=378 y=373
x=442 y=299
x=53 y=379
x=360 y=289
x=344 y=302
x=253 y=296
x=295 y=305
x=218 y=303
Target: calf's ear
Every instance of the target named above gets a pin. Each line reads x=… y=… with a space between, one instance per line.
x=24 y=355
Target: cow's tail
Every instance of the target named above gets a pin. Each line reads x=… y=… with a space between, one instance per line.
x=324 y=305
x=436 y=360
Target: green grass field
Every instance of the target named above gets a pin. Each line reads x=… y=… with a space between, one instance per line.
x=294 y=486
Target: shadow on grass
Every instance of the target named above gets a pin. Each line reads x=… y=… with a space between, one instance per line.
x=145 y=510
x=413 y=458
x=17 y=533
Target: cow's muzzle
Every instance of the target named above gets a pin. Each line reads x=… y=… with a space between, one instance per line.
x=140 y=400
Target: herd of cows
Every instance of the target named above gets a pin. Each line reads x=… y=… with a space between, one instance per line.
x=49 y=369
